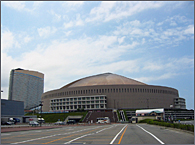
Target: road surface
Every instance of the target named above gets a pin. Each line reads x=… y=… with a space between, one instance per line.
x=100 y=134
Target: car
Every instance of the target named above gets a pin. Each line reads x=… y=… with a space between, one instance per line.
x=59 y=123
x=33 y=123
x=71 y=122
x=6 y=123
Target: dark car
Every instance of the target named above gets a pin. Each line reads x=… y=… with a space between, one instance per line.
x=71 y=122
x=5 y=123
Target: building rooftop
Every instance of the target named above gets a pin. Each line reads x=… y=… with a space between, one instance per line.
x=103 y=79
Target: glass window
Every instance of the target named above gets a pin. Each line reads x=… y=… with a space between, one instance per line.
x=75 y=99
x=97 y=105
x=83 y=98
x=67 y=99
x=75 y=102
x=97 y=101
x=101 y=101
x=79 y=98
x=79 y=102
x=101 y=97
x=92 y=101
x=71 y=99
x=96 y=97
x=92 y=98
x=88 y=98
x=88 y=102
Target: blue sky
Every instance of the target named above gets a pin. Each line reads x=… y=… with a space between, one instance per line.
x=152 y=42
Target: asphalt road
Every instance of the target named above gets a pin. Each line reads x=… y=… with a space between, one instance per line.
x=100 y=134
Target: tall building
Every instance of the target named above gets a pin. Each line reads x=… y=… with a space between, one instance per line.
x=26 y=86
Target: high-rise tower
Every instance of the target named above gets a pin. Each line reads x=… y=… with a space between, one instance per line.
x=26 y=86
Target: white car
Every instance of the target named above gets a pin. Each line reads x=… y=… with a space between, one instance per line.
x=59 y=123
x=33 y=123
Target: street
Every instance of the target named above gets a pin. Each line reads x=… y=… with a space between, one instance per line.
x=100 y=134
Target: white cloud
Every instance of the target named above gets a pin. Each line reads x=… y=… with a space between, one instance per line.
x=46 y=31
x=117 y=10
x=68 y=33
x=57 y=17
x=27 y=39
x=156 y=78
x=68 y=25
x=8 y=41
x=21 y=5
x=121 y=40
x=15 y=5
x=189 y=30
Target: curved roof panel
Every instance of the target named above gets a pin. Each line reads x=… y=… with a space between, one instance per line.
x=103 y=79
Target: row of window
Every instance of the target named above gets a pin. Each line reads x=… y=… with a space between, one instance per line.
x=79 y=102
x=113 y=90
x=74 y=107
x=78 y=98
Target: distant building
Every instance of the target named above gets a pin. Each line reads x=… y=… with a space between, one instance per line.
x=26 y=86
x=11 y=108
x=110 y=91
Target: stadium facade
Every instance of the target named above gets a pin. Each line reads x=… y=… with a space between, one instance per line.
x=26 y=86
x=110 y=91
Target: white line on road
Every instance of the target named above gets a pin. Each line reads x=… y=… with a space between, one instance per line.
x=151 y=134
x=53 y=135
x=78 y=138
x=117 y=135
x=86 y=135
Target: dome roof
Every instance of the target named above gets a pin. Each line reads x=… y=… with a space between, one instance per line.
x=103 y=79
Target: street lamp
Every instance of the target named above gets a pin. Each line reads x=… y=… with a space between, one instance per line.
x=41 y=111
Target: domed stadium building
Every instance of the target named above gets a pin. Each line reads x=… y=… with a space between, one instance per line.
x=110 y=91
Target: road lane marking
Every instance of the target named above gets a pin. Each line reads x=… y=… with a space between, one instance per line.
x=49 y=136
x=87 y=135
x=77 y=138
x=151 y=134
x=122 y=135
x=117 y=135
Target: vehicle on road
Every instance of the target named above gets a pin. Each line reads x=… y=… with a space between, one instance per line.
x=71 y=122
x=59 y=123
x=33 y=123
x=6 y=123
x=103 y=120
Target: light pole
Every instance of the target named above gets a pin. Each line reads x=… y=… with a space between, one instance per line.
x=41 y=111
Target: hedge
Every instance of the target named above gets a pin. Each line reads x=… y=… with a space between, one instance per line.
x=166 y=124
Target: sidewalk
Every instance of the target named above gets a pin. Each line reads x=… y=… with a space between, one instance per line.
x=24 y=128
